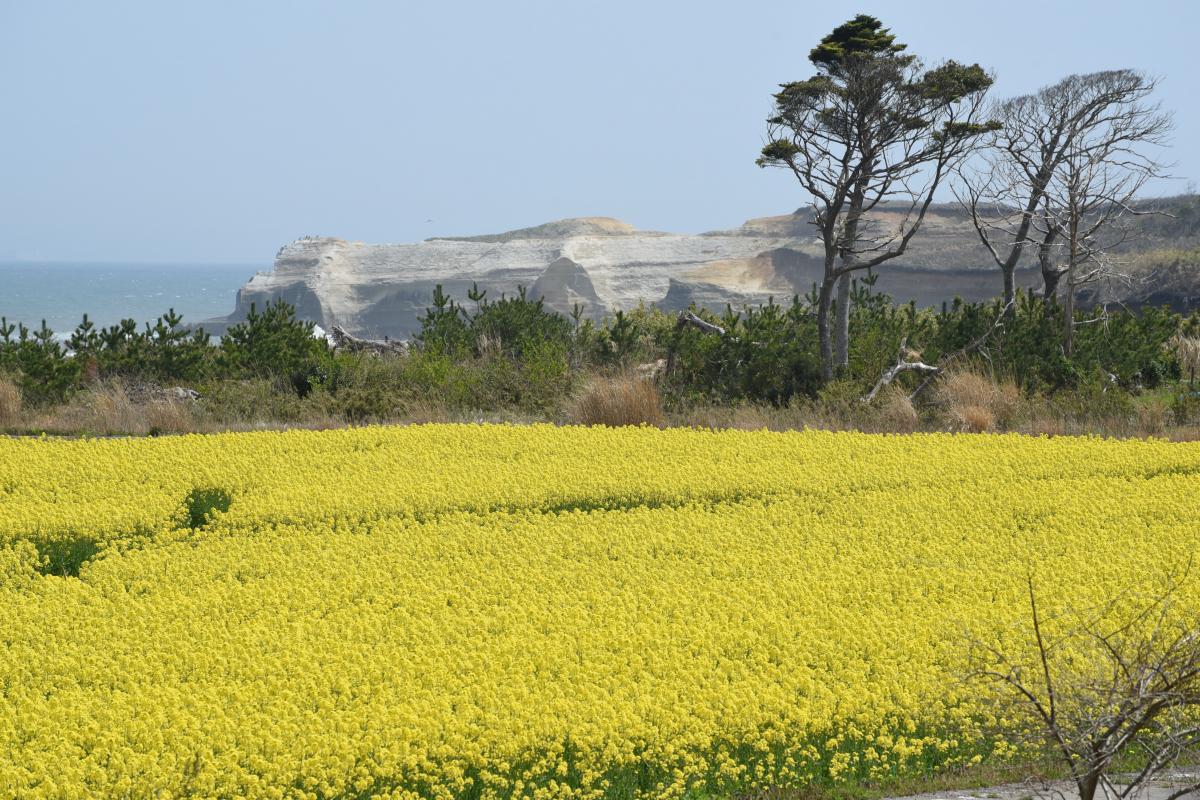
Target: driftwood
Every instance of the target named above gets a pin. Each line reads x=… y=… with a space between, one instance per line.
x=651 y=370
x=932 y=371
x=345 y=341
x=688 y=318
x=902 y=365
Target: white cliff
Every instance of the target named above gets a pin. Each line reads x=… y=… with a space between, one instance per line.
x=601 y=264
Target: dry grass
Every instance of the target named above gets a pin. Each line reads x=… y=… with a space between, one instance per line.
x=170 y=416
x=105 y=410
x=620 y=400
x=977 y=403
x=1187 y=350
x=896 y=413
x=972 y=419
x=10 y=404
x=967 y=402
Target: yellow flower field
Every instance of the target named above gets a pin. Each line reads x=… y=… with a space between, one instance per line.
x=483 y=611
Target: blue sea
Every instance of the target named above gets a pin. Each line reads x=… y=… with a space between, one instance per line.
x=61 y=292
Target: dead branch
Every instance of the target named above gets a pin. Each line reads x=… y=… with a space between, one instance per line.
x=1101 y=688
x=902 y=365
x=688 y=319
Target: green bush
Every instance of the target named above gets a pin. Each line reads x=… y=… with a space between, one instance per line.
x=274 y=343
x=164 y=352
x=41 y=365
x=203 y=503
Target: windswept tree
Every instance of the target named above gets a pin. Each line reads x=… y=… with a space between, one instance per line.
x=873 y=125
x=1080 y=150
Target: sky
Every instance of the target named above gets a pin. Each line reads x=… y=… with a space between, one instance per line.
x=218 y=131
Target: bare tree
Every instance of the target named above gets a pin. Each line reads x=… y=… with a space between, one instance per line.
x=1100 y=690
x=1089 y=203
x=1039 y=136
x=872 y=126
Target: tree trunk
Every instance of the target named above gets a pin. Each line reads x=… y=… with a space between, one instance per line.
x=1069 y=318
x=1050 y=271
x=1087 y=786
x=841 y=341
x=1010 y=284
x=848 y=258
x=824 y=302
x=1069 y=294
x=1050 y=290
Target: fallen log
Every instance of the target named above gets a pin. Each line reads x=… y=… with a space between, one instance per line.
x=345 y=341
x=688 y=318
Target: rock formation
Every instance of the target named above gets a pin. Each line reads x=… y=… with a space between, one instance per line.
x=602 y=265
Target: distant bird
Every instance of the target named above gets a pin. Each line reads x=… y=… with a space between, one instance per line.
x=429 y=220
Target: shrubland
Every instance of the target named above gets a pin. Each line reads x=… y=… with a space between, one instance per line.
x=513 y=359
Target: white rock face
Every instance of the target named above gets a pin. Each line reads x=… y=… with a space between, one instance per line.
x=601 y=264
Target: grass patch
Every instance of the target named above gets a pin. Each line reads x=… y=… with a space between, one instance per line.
x=202 y=504
x=65 y=557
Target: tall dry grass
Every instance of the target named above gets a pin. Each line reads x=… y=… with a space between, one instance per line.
x=616 y=401
x=10 y=404
x=1187 y=350
x=977 y=403
x=170 y=416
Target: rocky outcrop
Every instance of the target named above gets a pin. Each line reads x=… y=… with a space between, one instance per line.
x=377 y=290
x=566 y=286
x=600 y=265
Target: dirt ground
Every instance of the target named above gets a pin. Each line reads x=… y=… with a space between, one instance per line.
x=1062 y=790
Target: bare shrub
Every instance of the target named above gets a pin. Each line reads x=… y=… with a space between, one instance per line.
x=170 y=416
x=1105 y=686
x=10 y=404
x=973 y=419
x=895 y=413
x=755 y=417
x=105 y=409
x=622 y=400
x=1187 y=350
x=114 y=412
x=1050 y=426
x=1153 y=417
x=421 y=412
x=978 y=403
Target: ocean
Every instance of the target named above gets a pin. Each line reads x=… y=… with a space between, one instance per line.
x=61 y=293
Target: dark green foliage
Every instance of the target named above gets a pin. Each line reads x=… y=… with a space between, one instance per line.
x=516 y=325
x=202 y=503
x=510 y=325
x=65 y=555
x=39 y=362
x=514 y=354
x=164 y=352
x=445 y=328
x=768 y=354
x=868 y=92
x=274 y=343
x=862 y=36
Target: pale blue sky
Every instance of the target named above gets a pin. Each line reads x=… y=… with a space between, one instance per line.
x=218 y=131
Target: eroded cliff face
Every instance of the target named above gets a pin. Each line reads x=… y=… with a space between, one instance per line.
x=602 y=265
